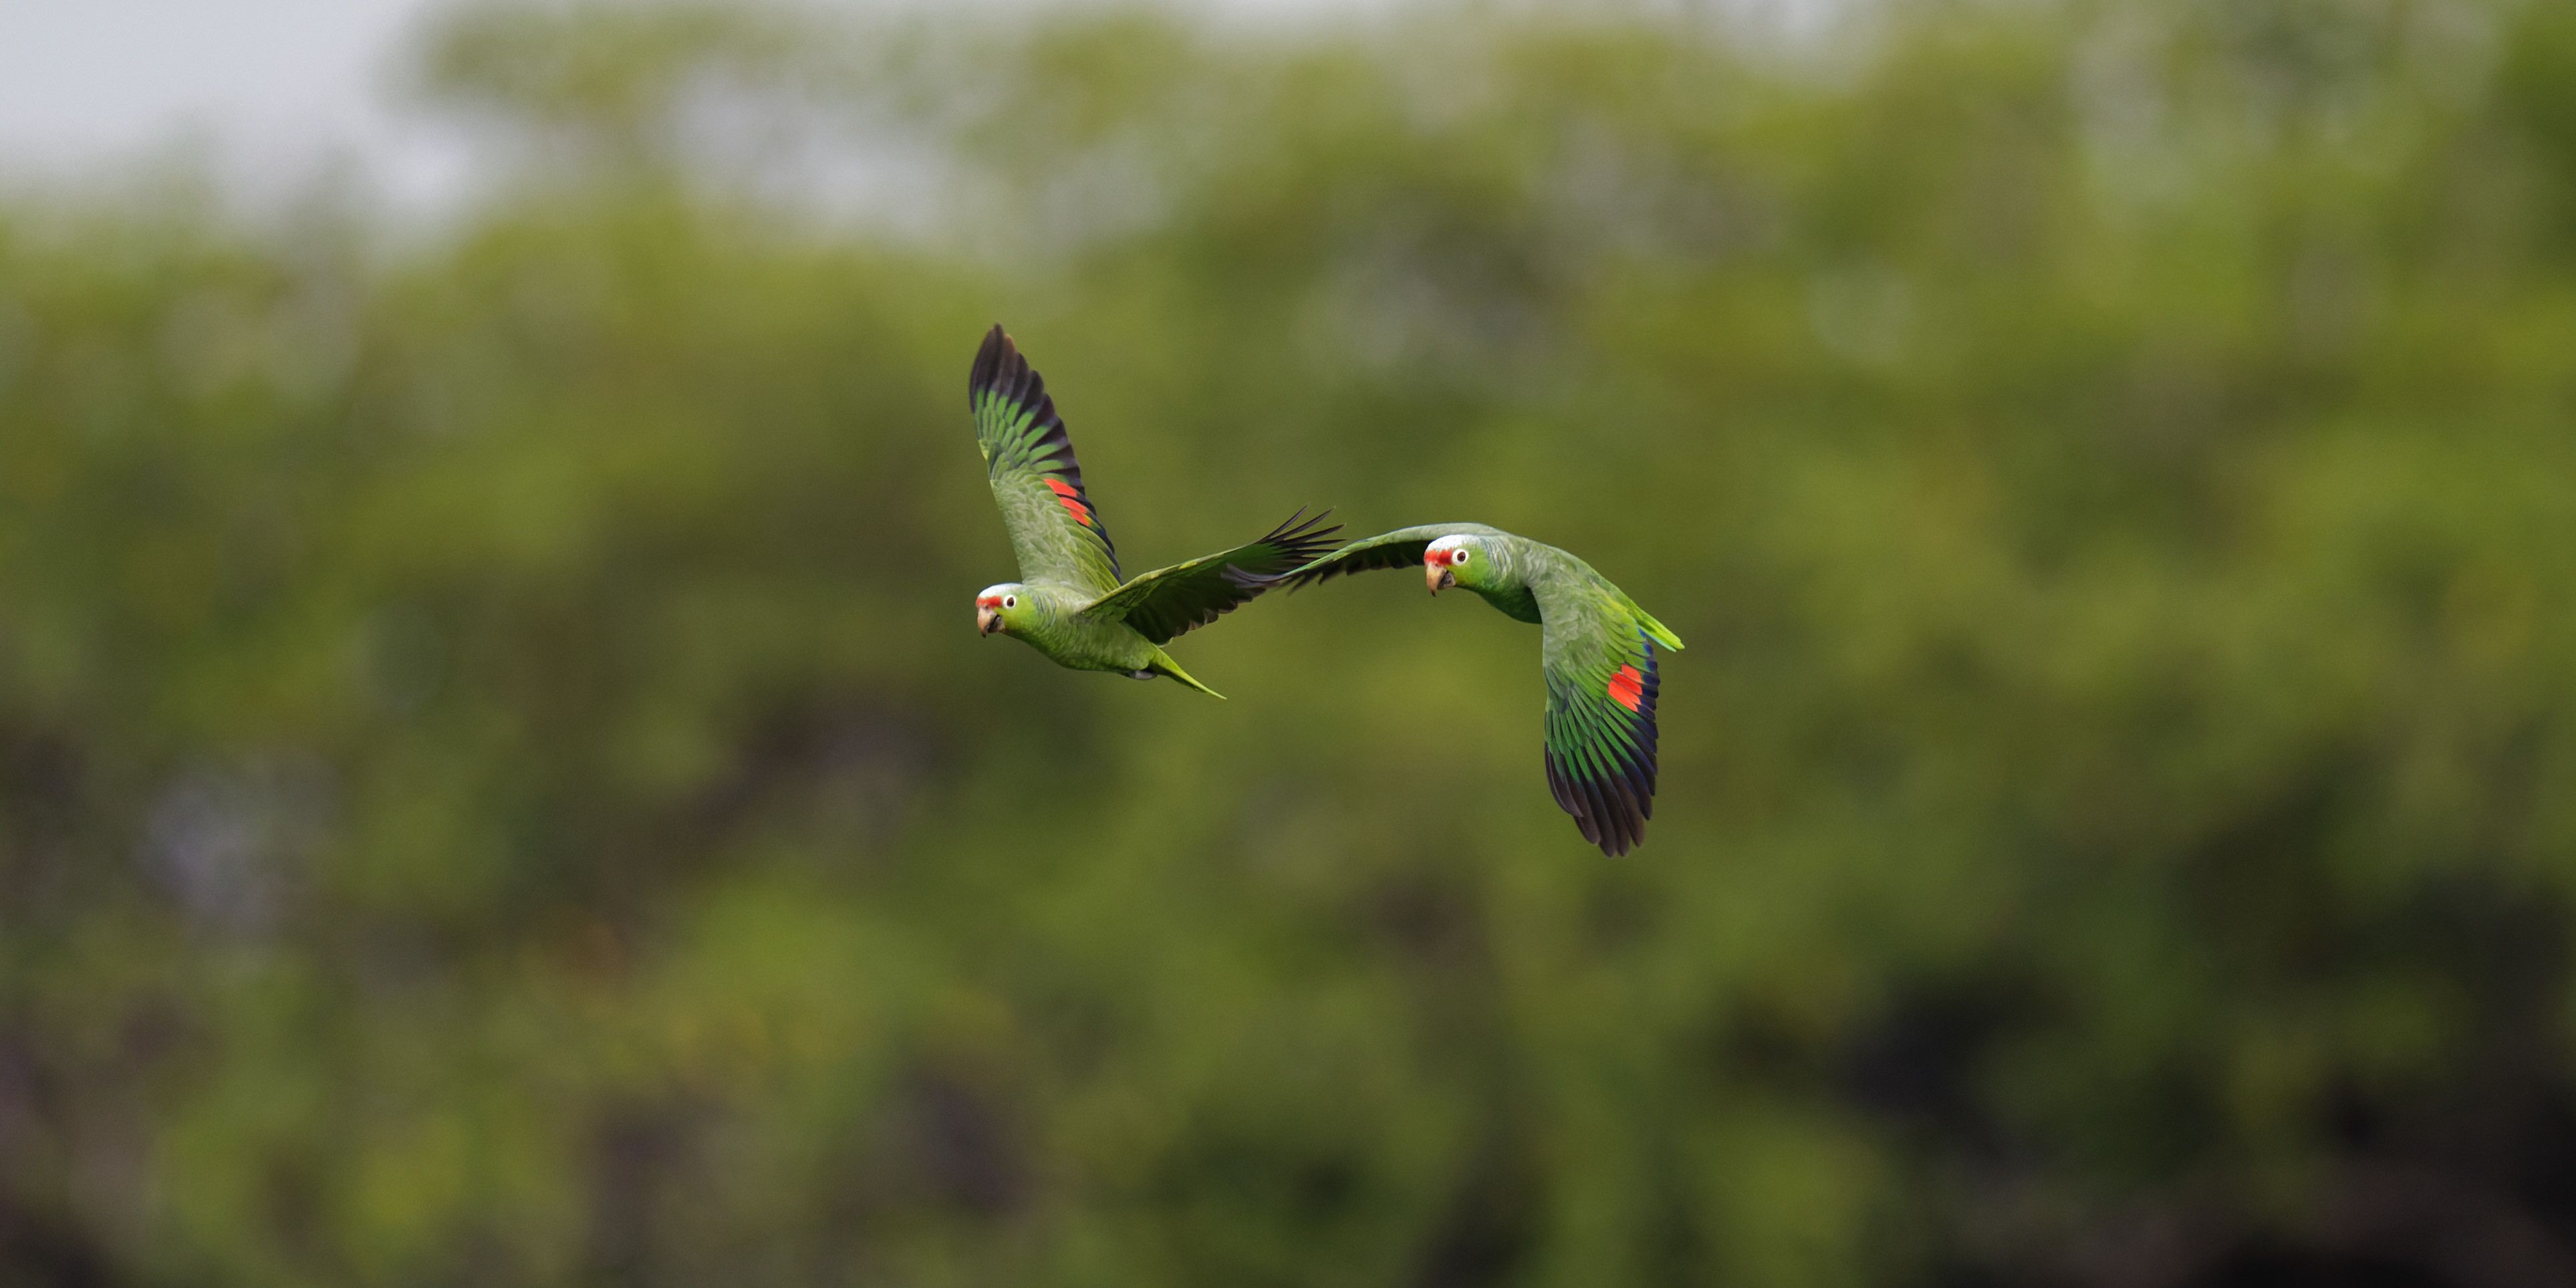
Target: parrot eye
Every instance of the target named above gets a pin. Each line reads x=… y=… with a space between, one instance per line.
x=1458 y=556
x=1010 y=601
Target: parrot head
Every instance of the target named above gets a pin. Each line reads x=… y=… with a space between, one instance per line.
x=1000 y=608
x=1455 y=561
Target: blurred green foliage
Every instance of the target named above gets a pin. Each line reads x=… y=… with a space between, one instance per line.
x=498 y=782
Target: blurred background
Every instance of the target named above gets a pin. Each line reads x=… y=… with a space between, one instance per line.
x=499 y=784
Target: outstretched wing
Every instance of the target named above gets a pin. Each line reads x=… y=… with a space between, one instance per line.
x=1172 y=601
x=1028 y=457
x=1402 y=548
x=1601 y=687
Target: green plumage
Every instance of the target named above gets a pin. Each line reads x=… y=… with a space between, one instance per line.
x=1599 y=649
x=1070 y=602
x=1598 y=654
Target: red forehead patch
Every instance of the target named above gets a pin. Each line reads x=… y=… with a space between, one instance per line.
x=1627 y=688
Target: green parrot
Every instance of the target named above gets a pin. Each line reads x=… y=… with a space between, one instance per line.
x=1070 y=602
x=1598 y=653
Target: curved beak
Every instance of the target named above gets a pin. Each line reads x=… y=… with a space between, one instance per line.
x=1438 y=577
x=986 y=620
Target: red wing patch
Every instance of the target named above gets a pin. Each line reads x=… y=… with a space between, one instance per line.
x=1071 y=500
x=1627 y=688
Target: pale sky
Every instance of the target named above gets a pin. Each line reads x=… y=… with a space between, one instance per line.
x=265 y=92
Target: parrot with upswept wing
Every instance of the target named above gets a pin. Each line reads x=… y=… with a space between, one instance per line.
x=1071 y=603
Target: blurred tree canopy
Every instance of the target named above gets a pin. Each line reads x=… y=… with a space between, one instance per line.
x=498 y=784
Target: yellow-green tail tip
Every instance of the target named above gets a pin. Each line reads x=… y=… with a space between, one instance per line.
x=1164 y=665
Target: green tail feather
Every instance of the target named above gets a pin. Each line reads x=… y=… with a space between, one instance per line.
x=1164 y=665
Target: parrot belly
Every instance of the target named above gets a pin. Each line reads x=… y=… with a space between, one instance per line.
x=1087 y=645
